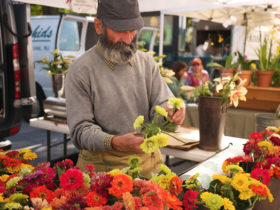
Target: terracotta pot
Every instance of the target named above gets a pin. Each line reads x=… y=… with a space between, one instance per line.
x=264 y=78
x=212 y=115
x=273 y=186
x=245 y=74
x=226 y=72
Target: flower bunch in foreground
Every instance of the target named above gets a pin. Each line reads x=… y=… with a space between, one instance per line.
x=155 y=132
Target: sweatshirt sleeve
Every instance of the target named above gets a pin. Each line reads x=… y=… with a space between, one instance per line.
x=84 y=133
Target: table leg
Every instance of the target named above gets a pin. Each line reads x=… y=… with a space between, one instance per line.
x=65 y=144
x=48 y=145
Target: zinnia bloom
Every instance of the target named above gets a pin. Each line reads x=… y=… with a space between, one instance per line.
x=138 y=122
x=240 y=182
x=175 y=186
x=176 y=103
x=94 y=199
x=261 y=175
x=260 y=190
x=228 y=205
x=223 y=179
x=149 y=145
x=120 y=184
x=189 y=199
x=71 y=179
x=161 y=111
x=266 y=146
x=275 y=139
x=42 y=192
x=163 y=140
x=214 y=201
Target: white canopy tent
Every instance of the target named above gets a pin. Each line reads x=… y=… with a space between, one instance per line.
x=256 y=12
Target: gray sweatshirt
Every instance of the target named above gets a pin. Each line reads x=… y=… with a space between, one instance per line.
x=103 y=101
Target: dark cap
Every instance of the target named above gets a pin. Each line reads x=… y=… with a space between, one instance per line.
x=120 y=15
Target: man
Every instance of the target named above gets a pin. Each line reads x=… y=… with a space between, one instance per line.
x=109 y=87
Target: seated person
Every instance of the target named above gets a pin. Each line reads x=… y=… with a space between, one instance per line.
x=179 y=79
x=196 y=74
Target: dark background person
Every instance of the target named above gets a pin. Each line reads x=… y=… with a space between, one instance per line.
x=179 y=79
x=196 y=74
x=109 y=86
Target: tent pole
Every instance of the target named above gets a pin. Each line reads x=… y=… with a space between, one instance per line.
x=161 y=37
x=246 y=33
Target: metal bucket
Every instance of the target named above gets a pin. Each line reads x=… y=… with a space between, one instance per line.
x=212 y=115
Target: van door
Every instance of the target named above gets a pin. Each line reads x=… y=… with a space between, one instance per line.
x=148 y=35
x=71 y=35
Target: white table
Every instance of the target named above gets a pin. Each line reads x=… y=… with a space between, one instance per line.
x=194 y=154
x=50 y=126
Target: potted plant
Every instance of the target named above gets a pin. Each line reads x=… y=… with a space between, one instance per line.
x=244 y=68
x=268 y=61
x=226 y=70
x=212 y=106
x=57 y=68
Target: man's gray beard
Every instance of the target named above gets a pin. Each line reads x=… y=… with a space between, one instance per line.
x=119 y=53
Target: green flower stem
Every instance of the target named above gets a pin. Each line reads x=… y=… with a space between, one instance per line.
x=164 y=123
x=173 y=137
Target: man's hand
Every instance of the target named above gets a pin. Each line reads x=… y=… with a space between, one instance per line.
x=128 y=142
x=178 y=117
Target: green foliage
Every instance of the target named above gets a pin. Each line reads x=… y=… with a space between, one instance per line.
x=242 y=62
x=228 y=64
x=36 y=10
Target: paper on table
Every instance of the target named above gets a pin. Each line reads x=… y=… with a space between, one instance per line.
x=189 y=135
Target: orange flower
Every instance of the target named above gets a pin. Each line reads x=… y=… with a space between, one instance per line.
x=175 y=186
x=120 y=184
x=153 y=201
x=42 y=192
x=276 y=171
x=260 y=190
x=57 y=203
x=128 y=200
x=172 y=201
x=94 y=199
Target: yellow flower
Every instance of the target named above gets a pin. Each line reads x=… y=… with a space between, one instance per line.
x=223 y=179
x=55 y=52
x=204 y=196
x=164 y=181
x=149 y=145
x=165 y=169
x=228 y=205
x=4 y=177
x=23 y=165
x=29 y=155
x=167 y=80
x=240 y=182
x=134 y=161
x=176 y=103
x=138 y=122
x=214 y=201
x=114 y=172
x=225 y=164
x=265 y=145
x=12 y=205
x=25 y=150
x=161 y=111
x=163 y=140
x=253 y=66
x=12 y=169
x=245 y=195
x=234 y=169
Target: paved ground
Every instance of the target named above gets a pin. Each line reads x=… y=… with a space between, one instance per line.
x=35 y=139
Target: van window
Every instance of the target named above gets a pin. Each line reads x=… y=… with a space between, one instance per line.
x=70 y=36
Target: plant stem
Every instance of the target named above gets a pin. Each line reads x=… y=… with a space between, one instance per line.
x=173 y=137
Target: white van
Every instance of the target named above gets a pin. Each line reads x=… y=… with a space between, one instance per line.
x=71 y=35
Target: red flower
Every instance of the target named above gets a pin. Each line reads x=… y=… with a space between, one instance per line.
x=259 y=190
x=94 y=199
x=101 y=182
x=256 y=136
x=275 y=140
x=189 y=199
x=71 y=179
x=42 y=192
x=11 y=162
x=153 y=201
x=175 y=186
x=12 y=153
x=251 y=147
x=261 y=174
x=2 y=187
x=120 y=184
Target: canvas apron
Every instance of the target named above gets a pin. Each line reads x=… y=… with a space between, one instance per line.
x=106 y=161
